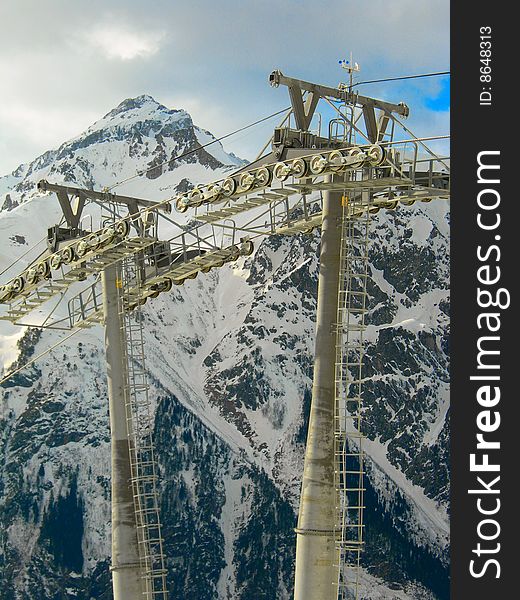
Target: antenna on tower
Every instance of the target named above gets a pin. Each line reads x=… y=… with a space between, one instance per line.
x=351 y=67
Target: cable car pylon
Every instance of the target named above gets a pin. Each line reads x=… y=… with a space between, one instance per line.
x=315 y=570
x=333 y=181
x=127 y=574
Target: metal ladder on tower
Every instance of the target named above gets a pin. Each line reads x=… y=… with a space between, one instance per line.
x=143 y=465
x=348 y=449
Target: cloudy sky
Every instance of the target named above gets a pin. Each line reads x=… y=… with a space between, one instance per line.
x=66 y=63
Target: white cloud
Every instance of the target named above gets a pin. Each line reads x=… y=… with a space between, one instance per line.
x=121 y=43
x=44 y=126
x=65 y=64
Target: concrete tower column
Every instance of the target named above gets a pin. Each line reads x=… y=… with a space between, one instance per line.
x=316 y=572
x=126 y=572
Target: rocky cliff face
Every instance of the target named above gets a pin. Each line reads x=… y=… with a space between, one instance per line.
x=230 y=359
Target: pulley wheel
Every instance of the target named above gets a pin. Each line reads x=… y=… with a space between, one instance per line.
x=122 y=228
x=336 y=161
x=180 y=204
x=299 y=167
x=17 y=285
x=213 y=192
x=67 y=254
x=246 y=181
x=281 y=171
x=391 y=205
x=93 y=241
x=55 y=261
x=109 y=234
x=357 y=152
x=234 y=253
x=317 y=164
x=167 y=285
x=229 y=187
x=376 y=155
x=263 y=176
x=82 y=248
x=42 y=269
x=196 y=197
x=31 y=276
x=247 y=248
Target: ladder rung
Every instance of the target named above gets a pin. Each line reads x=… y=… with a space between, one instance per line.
x=145 y=465
x=349 y=292
x=144 y=497
x=150 y=541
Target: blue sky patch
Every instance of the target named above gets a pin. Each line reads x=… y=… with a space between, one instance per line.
x=440 y=102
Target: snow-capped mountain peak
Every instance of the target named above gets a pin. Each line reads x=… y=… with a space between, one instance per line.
x=142 y=114
x=139 y=136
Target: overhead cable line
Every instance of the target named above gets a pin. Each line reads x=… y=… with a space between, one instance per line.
x=22 y=256
x=141 y=173
x=400 y=78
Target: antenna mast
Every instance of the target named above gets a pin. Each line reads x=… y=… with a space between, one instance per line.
x=351 y=68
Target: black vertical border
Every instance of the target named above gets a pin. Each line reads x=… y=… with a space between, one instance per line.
x=477 y=128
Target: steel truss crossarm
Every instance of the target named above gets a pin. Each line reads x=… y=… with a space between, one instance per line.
x=277 y=78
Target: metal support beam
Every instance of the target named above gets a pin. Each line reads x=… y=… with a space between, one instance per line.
x=135 y=206
x=303 y=112
x=278 y=78
x=370 y=123
x=316 y=573
x=383 y=122
x=127 y=579
x=63 y=192
x=72 y=216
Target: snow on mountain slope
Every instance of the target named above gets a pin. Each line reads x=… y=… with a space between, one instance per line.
x=230 y=358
